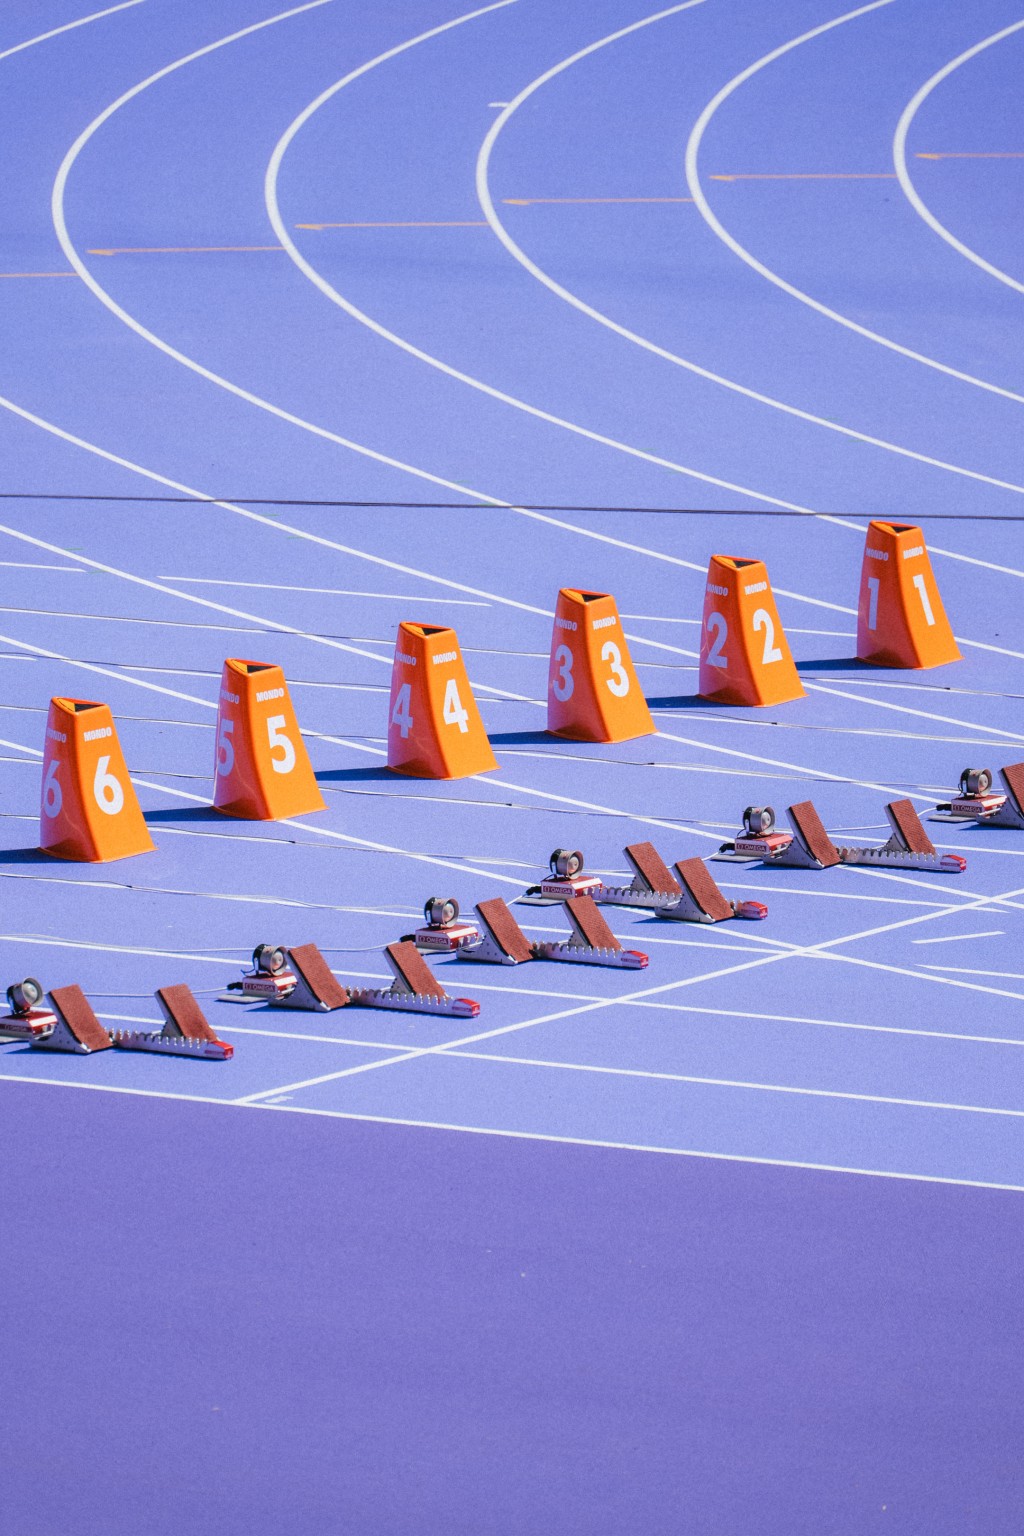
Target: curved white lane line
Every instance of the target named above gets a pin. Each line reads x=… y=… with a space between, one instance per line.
x=899 y=155
x=68 y=26
x=703 y=206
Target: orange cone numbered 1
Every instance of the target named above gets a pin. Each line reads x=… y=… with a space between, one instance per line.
x=89 y=810
x=593 y=693
x=900 y=618
x=434 y=726
x=262 y=770
x=744 y=655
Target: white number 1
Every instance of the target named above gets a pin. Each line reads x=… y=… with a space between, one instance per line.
x=873 y=585
x=925 y=604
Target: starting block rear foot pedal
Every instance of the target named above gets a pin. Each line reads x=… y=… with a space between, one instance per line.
x=909 y=847
x=701 y=900
x=415 y=988
x=77 y=1031
x=185 y=1032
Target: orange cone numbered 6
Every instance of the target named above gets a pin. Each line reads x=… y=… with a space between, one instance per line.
x=434 y=726
x=593 y=693
x=262 y=770
x=744 y=655
x=89 y=809
x=900 y=618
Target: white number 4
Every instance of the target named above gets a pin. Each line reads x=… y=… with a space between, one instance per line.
x=401 y=715
x=453 y=712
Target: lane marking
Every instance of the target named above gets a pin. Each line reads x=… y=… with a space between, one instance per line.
x=69 y=26
x=276 y=586
x=804 y=176
x=996 y=154
x=49 y=274
x=399 y=223
x=483 y=1130
x=528 y=202
x=958 y=938
x=899 y=152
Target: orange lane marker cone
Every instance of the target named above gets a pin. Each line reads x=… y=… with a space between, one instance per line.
x=593 y=692
x=434 y=726
x=744 y=655
x=89 y=809
x=900 y=618
x=262 y=770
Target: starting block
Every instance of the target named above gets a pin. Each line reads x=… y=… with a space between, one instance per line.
x=434 y=726
x=89 y=809
x=185 y=1031
x=701 y=901
x=565 y=882
x=290 y=978
x=807 y=846
x=26 y=1020
x=653 y=885
x=977 y=802
x=909 y=846
x=262 y=770
x=592 y=941
x=744 y=655
x=900 y=618
x=415 y=989
x=593 y=692
x=77 y=1030
x=443 y=932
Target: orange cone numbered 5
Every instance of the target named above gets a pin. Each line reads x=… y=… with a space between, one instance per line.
x=744 y=655
x=262 y=770
x=900 y=618
x=434 y=726
x=593 y=693
x=89 y=809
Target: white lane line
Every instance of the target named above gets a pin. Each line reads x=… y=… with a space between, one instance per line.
x=899 y=154
x=813 y=950
x=517 y=252
x=68 y=26
x=920 y=714
x=484 y=1130
x=276 y=586
x=704 y=208
x=963 y=970
x=958 y=938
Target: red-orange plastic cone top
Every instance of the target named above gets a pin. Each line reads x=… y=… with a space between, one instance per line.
x=744 y=655
x=434 y=726
x=262 y=770
x=89 y=810
x=900 y=618
x=593 y=692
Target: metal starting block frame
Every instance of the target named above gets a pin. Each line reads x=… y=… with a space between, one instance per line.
x=977 y=802
x=692 y=898
x=565 y=882
x=185 y=1032
x=26 y=1020
x=77 y=1031
x=443 y=933
x=806 y=846
x=591 y=943
x=415 y=988
x=909 y=846
x=289 y=978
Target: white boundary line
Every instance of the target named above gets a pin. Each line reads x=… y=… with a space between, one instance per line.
x=899 y=155
x=68 y=26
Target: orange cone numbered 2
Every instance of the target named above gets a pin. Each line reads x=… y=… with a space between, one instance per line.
x=434 y=726
x=744 y=655
x=900 y=618
x=593 y=692
x=262 y=770
x=89 y=810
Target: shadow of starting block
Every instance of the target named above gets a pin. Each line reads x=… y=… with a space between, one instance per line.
x=415 y=988
x=77 y=1030
x=185 y=1032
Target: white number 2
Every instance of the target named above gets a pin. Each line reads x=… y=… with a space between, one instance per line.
x=717 y=627
x=106 y=789
x=763 y=620
x=53 y=798
x=277 y=738
x=401 y=715
x=618 y=683
x=564 y=684
x=453 y=712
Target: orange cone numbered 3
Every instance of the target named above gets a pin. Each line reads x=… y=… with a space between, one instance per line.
x=744 y=655
x=593 y=692
x=900 y=618
x=262 y=770
x=89 y=810
x=434 y=726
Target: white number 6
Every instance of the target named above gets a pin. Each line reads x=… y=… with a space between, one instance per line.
x=53 y=798
x=106 y=789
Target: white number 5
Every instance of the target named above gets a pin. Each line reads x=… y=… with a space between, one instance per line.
x=277 y=737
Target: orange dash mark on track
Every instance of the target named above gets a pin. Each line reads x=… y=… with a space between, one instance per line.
x=525 y=202
x=972 y=154
x=175 y=250
x=806 y=176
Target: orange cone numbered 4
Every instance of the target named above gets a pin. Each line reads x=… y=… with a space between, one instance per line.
x=434 y=726
x=744 y=655
x=593 y=693
x=900 y=618
x=89 y=809
x=262 y=770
